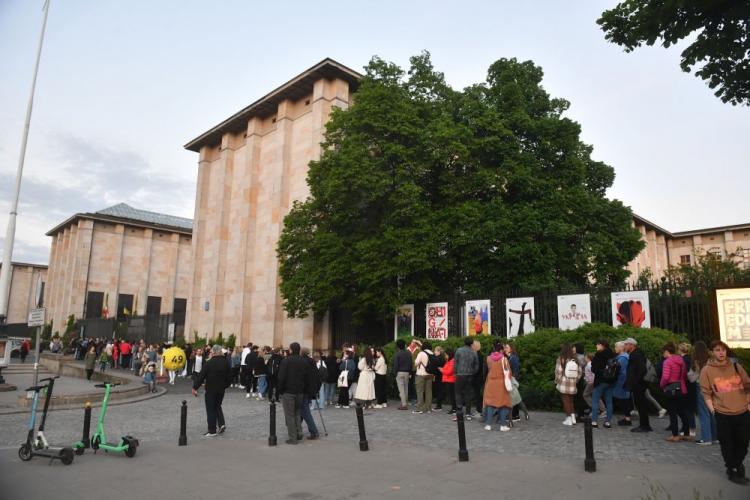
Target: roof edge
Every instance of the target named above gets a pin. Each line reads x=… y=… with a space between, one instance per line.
x=113 y=218
x=195 y=144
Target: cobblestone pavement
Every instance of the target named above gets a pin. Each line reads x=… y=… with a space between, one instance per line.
x=542 y=436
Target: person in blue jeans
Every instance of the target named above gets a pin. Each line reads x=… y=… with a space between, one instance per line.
x=701 y=356
x=602 y=388
x=305 y=412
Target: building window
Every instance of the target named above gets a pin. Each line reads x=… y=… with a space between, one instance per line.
x=746 y=259
x=717 y=255
x=178 y=309
x=95 y=305
x=124 y=307
x=684 y=260
x=153 y=305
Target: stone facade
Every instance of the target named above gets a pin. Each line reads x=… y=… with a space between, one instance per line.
x=115 y=256
x=23 y=287
x=251 y=168
x=664 y=249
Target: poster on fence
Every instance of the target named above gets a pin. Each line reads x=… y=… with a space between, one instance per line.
x=631 y=308
x=733 y=305
x=479 y=321
x=520 y=314
x=437 y=321
x=573 y=311
x=404 y=321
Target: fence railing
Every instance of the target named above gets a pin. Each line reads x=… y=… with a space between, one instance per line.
x=153 y=329
x=683 y=308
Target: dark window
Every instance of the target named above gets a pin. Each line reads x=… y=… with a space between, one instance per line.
x=95 y=305
x=154 y=305
x=685 y=260
x=180 y=306
x=124 y=302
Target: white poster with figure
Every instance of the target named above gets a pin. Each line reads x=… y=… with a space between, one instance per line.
x=520 y=314
x=631 y=308
x=573 y=311
x=437 y=321
x=404 y=321
x=478 y=317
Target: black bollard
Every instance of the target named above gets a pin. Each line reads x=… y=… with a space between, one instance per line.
x=272 y=435
x=463 y=453
x=86 y=440
x=588 y=435
x=183 y=424
x=363 y=446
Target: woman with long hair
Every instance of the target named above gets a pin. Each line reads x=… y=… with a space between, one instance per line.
x=449 y=379
x=701 y=355
x=496 y=395
x=347 y=364
x=515 y=368
x=674 y=384
x=332 y=366
x=690 y=403
x=602 y=387
x=365 y=392
x=381 y=386
x=567 y=373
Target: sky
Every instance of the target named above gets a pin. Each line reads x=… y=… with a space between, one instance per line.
x=124 y=84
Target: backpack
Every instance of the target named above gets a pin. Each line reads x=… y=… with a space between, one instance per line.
x=322 y=374
x=611 y=371
x=650 y=375
x=274 y=364
x=432 y=364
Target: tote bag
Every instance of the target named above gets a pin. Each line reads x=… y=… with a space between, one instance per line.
x=507 y=376
x=343 y=378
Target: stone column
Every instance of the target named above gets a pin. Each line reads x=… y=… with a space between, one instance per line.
x=116 y=270
x=81 y=270
x=148 y=241
x=198 y=242
x=174 y=251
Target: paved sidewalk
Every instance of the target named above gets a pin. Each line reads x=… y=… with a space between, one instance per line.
x=227 y=466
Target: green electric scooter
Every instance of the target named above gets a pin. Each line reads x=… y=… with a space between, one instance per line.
x=37 y=446
x=128 y=444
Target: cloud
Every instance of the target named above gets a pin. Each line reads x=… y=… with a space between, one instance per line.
x=69 y=175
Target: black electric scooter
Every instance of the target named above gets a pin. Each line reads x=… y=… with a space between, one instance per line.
x=37 y=446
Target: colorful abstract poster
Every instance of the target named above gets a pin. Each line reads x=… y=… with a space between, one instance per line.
x=631 y=308
x=573 y=311
x=404 y=321
x=733 y=305
x=437 y=321
x=478 y=317
x=520 y=314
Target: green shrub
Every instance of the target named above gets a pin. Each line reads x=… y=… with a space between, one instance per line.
x=231 y=341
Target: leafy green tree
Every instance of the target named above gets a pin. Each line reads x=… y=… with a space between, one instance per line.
x=719 y=29
x=709 y=270
x=423 y=190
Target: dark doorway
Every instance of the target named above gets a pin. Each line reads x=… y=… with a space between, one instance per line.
x=153 y=305
x=94 y=305
x=124 y=302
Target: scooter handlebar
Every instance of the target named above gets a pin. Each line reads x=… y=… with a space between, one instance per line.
x=49 y=378
x=104 y=386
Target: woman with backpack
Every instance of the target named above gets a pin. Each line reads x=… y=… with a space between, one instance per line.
x=674 y=384
x=604 y=384
x=381 y=385
x=365 y=393
x=347 y=365
x=567 y=373
x=425 y=364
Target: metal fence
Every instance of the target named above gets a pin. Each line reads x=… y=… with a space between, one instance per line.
x=686 y=309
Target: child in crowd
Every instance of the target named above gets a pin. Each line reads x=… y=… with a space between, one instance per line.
x=103 y=359
x=150 y=377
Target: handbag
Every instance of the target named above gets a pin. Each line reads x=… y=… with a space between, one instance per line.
x=343 y=378
x=506 y=376
x=673 y=390
x=693 y=375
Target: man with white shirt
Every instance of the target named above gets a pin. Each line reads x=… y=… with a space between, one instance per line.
x=244 y=368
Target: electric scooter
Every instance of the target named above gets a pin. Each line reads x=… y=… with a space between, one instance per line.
x=39 y=447
x=127 y=444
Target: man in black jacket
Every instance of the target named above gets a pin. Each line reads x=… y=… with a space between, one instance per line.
x=295 y=377
x=636 y=385
x=217 y=374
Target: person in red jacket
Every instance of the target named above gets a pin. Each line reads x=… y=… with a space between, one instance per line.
x=125 y=350
x=449 y=379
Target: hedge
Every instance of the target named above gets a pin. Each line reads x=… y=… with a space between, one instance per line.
x=539 y=350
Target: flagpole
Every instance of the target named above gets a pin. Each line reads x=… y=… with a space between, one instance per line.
x=11 y=231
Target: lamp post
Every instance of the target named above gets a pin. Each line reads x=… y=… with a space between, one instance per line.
x=11 y=231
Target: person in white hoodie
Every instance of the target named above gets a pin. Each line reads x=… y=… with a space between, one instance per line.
x=244 y=369
x=424 y=379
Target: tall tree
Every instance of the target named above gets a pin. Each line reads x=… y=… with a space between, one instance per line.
x=721 y=30
x=423 y=190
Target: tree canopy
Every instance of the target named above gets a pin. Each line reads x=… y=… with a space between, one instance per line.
x=423 y=190
x=721 y=31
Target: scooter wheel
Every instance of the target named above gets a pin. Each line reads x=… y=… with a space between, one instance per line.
x=67 y=456
x=130 y=452
x=79 y=451
x=24 y=452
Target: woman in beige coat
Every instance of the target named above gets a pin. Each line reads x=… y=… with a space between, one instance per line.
x=496 y=395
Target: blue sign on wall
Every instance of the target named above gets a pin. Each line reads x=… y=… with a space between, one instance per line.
x=206 y=306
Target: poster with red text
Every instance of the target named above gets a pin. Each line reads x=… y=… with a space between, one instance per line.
x=437 y=321
x=573 y=310
x=733 y=305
